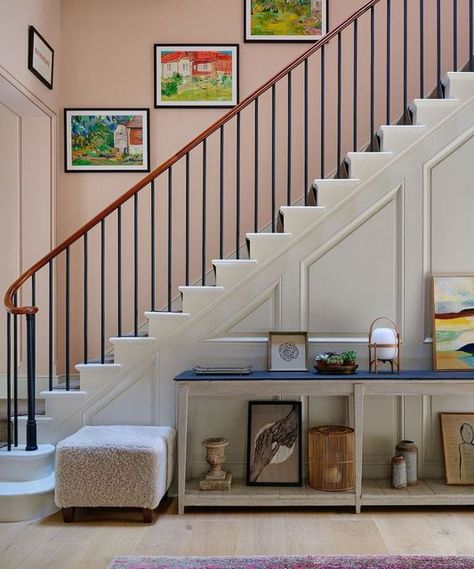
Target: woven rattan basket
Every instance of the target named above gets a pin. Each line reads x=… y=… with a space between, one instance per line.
x=331 y=458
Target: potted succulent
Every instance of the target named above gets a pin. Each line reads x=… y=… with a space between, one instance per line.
x=334 y=363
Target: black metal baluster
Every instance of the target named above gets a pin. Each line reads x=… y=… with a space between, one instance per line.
x=339 y=103
x=323 y=108
x=255 y=166
x=273 y=181
x=221 y=194
x=85 y=299
x=306 y=120
x=102 y=291
x=204 y=212
x=68 y=319
x=15 y=374
x=152 y=245
x=422 y=49
x=356 y=87
x=372 y=77
x=388 y=89
x=288 y=160
x=170 y=238
x=31 y=443
x=187 y=222
x=50 y=327
x=438 y=49
x=455 y=35
x=237 y=190
x=9 y=381
x=405 y=61
x=119 y=271
x=135 y=265
x=471 y=34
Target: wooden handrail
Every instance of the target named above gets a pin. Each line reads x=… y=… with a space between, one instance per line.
x=13 y=289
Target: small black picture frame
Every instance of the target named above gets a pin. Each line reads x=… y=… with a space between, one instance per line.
x=40 y=57
x=271 y=424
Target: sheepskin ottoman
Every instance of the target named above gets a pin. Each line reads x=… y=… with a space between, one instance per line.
x=114 y=466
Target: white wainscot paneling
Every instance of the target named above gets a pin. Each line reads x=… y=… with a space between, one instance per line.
x=382 y=431
x=134 y=405
x=357 y=279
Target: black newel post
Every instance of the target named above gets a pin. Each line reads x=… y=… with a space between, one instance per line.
x=31 y=378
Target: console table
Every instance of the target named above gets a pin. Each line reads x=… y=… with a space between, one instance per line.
x=309 y=383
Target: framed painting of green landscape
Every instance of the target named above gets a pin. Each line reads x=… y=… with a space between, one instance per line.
x=106 y=140
x=285 y=20
x=453 y=322
x=196 y=75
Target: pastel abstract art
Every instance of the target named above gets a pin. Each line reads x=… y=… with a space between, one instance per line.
x=453 y=322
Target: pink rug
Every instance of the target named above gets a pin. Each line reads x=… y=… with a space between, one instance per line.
x=307 y=562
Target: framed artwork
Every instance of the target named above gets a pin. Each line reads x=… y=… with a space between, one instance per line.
x=106 y=140
x=287 y=351
x=40 y=57
x=285 y=20
x=196 y=75
x=274 y=443
x=457 y=433
x=453 y=322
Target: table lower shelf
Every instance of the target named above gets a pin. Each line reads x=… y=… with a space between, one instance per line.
x=429 y=492
x=242 y=495
x=377 y=492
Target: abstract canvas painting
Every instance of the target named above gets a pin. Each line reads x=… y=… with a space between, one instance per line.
x=105 y=140
x=453 y=322
x=274 y=443
x=285 y=20
x=196 y=75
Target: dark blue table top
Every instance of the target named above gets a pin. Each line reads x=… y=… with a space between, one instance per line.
x=311 y=375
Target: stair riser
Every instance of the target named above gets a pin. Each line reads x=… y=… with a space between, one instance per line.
x=229 y=275
x=398 y=139
x=459 y=86
x=430 y=113
x=363 y=166
x=23 y=508
x=195 y=300
x=163 y=325
x=22 y=466
x=265 y=246
x=331 y=192
x=298 y=220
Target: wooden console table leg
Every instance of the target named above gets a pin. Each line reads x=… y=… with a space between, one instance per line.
x=183 y=403
x=359 y=435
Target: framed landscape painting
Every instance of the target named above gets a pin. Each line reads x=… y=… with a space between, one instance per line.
x=106 y=140
x=453 y=322
x=196 y=75
x=285 y=20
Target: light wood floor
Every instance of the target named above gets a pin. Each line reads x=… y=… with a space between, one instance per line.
x=99 y=536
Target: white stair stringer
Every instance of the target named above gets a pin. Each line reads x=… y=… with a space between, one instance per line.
x=297 y=219
x=179 y=338
x=231 y=271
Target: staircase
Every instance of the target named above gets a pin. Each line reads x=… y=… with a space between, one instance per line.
x=195 y=267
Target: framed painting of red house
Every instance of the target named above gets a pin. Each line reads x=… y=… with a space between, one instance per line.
x=285 y=20
x=106 y=140
x=196 y=75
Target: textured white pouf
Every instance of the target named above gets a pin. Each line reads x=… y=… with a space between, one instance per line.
x=114 y=466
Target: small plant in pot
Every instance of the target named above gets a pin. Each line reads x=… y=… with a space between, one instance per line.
x=334 y=363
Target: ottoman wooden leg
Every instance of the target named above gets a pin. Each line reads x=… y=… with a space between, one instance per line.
x=147 y=515
x=68 y=514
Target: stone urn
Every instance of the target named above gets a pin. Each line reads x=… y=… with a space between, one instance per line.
x=216 y=478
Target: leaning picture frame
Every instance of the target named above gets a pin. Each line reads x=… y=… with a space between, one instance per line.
x=457 y=435
x=287 y=351
x=274 y=443
x=107 y=140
